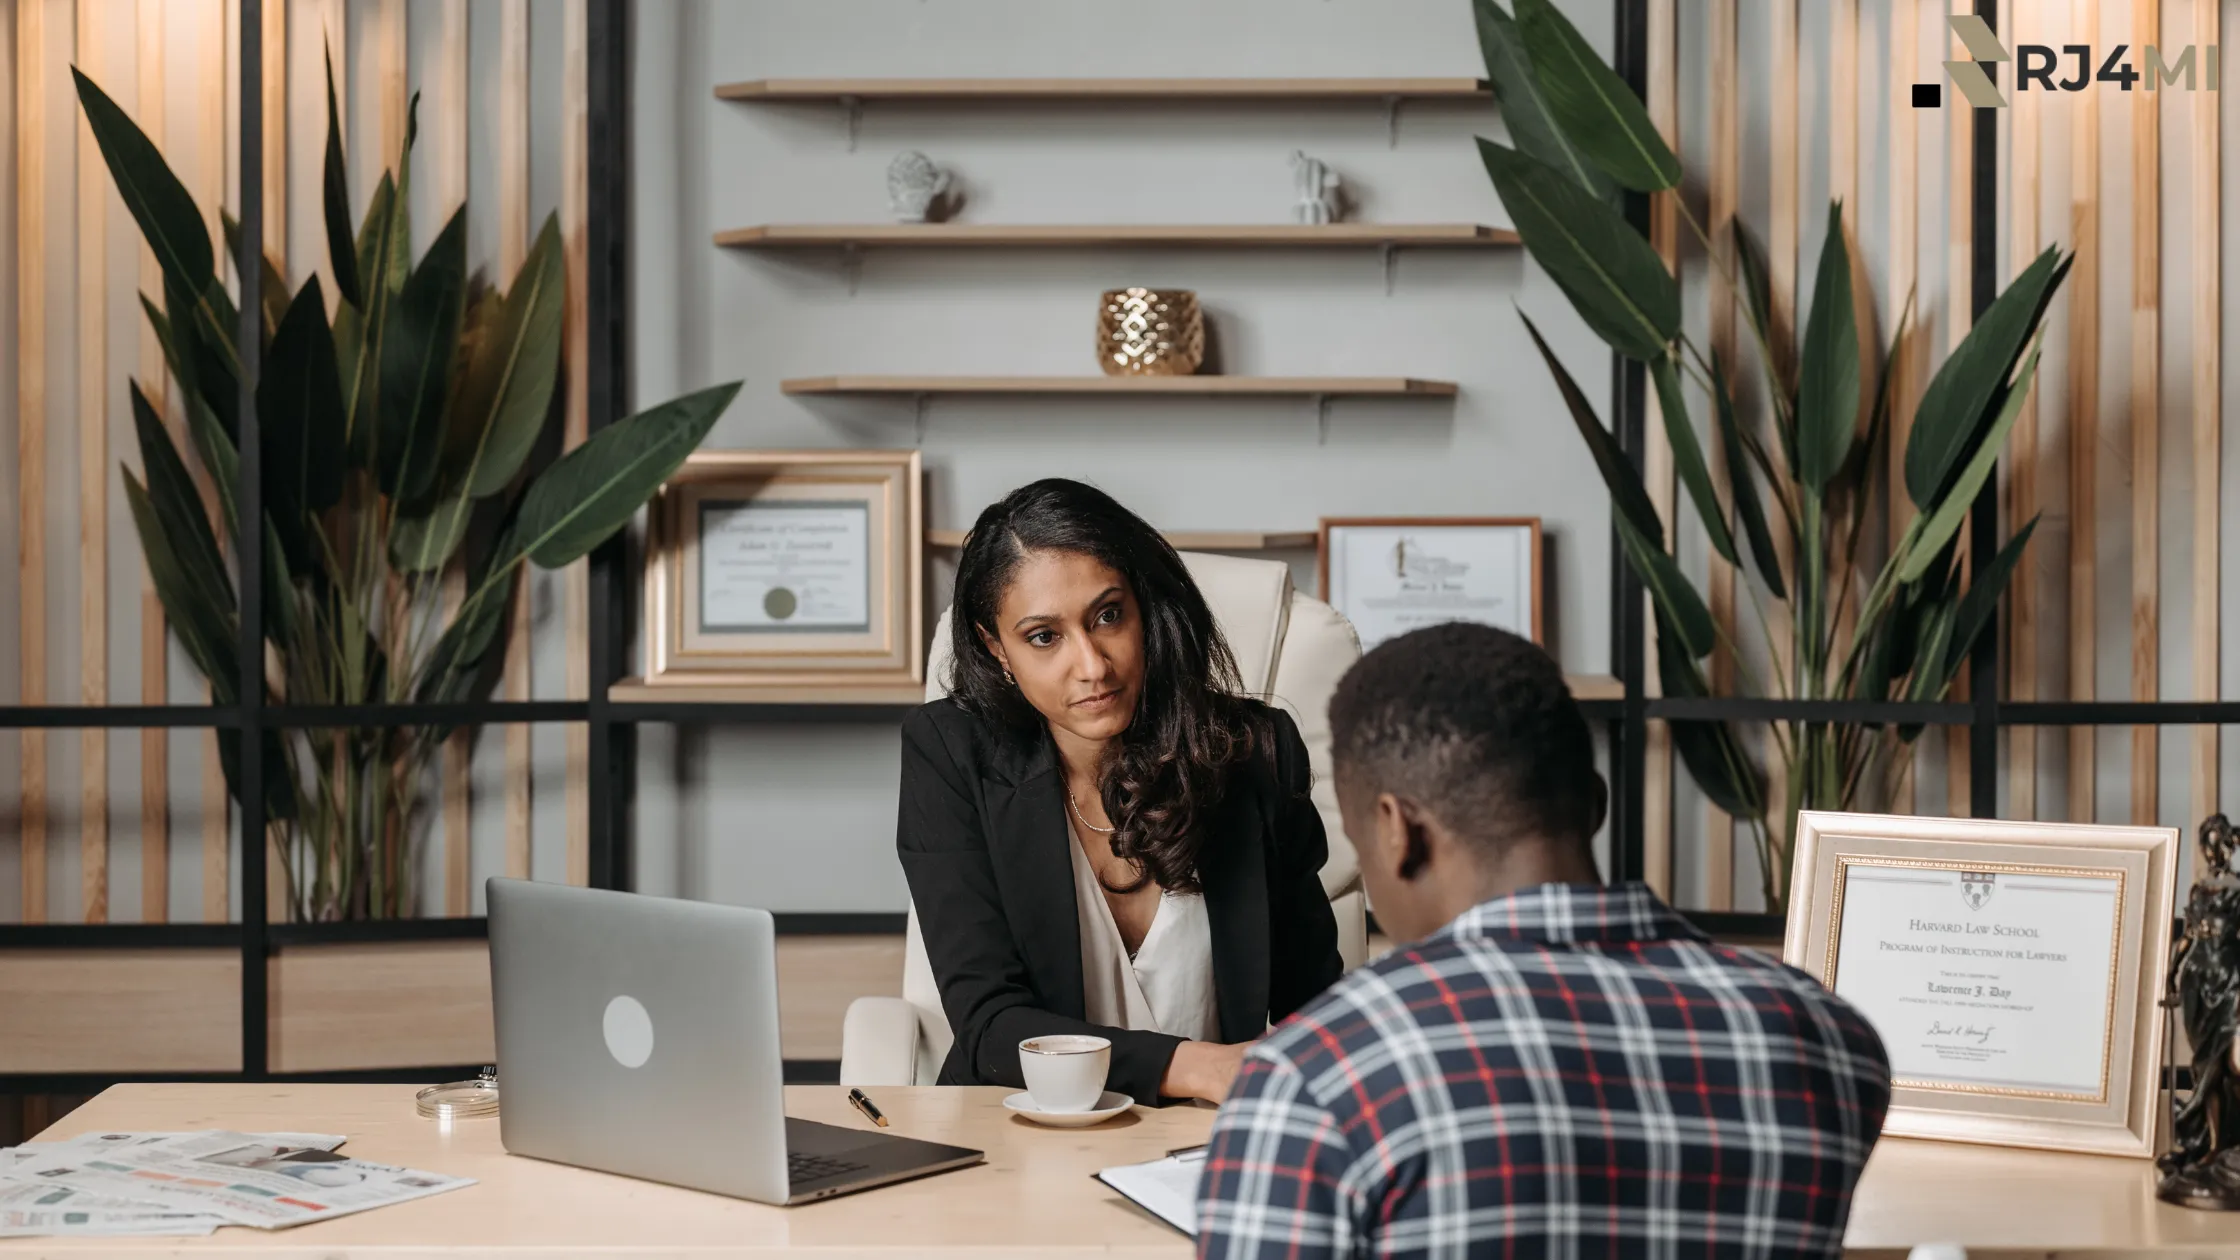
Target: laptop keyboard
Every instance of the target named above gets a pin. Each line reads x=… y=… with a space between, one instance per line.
x=802 y=1168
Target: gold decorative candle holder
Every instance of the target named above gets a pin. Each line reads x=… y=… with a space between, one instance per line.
x=1150 y=332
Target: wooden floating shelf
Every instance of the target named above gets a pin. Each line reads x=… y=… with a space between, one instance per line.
x=638 y=691
x=1122 y=386
x=1022 y=236
x=1595 y=687
x=1182 y=540
x=1198 y=89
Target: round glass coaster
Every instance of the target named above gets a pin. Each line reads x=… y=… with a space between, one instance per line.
x=460 y=1100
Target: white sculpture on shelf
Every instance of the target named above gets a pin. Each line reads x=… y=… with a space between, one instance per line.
x=1316 y=187
x=914 y=183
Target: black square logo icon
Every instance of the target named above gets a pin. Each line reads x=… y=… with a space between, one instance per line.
x=1928 y=95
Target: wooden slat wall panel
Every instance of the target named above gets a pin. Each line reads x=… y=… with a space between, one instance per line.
x=93 y=481
x=208 y=184
x=120 y=1010
x=450 y=122
x=2022 y=445
x=390 y=58
x=32 y=69
x=574 y=201
x=2204 y=259
x=1726 y=165
x=155 y=651
x=2146 y=415
x=1905 y=28
x=1960 y=153
x=513 y=246
x=2084 y=421
x=1664 y=233
x=1782 y=220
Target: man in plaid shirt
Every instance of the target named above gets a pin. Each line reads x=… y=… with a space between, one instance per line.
x=1554 y=1067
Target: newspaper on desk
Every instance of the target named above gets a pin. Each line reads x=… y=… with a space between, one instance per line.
x=192 y=1183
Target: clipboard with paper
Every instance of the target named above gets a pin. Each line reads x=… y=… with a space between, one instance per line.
x=1166 y=1187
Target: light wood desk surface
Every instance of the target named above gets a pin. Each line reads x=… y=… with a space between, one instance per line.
x=1034 y=1197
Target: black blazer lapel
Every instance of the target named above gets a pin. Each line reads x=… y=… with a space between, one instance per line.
x=1236 y=890
x=1027 y=839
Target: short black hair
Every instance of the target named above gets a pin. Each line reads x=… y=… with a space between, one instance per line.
x=1475 y=725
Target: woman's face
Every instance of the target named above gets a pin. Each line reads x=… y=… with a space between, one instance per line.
x=1069 y=631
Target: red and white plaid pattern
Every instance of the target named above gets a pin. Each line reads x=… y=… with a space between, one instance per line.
x=1569 y=1071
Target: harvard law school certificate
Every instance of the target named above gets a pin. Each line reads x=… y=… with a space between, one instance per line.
x=1983 y=981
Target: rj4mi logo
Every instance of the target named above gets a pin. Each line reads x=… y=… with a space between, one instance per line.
x=2037 y=64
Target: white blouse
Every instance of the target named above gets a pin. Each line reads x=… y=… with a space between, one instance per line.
x=1168 y=986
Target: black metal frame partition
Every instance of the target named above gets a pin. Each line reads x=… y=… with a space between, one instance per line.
x=612 y=725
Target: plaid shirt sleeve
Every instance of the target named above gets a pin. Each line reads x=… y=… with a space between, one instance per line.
x=1274 y=1183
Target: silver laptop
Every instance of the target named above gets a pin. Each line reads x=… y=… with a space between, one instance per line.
x=639 y=1035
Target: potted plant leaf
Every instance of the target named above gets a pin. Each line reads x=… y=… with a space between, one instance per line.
x=401 y=417
x=1899 y=631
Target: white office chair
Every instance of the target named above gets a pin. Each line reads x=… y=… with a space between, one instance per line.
x=1291 y=651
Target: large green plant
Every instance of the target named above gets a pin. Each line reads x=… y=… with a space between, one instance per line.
x=1900 y=633
x=398 y=438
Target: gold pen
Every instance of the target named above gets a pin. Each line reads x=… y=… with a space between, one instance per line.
x=864 y=1104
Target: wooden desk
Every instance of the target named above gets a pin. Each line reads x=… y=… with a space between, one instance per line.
x=1033 y=1197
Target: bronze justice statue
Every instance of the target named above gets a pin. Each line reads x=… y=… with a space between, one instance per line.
x=2202 y=1167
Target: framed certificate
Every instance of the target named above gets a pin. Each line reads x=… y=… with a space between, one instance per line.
x=786 y=567
x=1393 y=574
x=2013 y=969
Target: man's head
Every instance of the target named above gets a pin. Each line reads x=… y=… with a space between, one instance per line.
x=1464 y=771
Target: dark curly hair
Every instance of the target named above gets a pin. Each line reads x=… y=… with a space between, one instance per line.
x=1163 y=776
x=1478 y=726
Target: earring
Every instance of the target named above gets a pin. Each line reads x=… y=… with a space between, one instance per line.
x=1008 y=680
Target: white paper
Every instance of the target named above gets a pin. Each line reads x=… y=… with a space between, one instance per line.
x=1390 y=579
x=785 y=566
x=1993 y=979
x=47 y=1224
x=241 y=1177
x=1166 y=1188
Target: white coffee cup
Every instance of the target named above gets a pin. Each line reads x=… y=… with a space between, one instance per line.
x=1065 y=1072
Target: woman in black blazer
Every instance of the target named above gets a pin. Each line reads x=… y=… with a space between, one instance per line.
x=1093 y=706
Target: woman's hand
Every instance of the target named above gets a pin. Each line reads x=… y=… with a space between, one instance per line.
x=1202 y=1069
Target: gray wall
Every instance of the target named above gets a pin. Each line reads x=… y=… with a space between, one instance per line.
x=802 y=818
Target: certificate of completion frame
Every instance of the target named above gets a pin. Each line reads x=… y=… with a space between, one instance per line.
x=785 y=566
x=1390 y=575
x=2012 y=970
x=1998 y=979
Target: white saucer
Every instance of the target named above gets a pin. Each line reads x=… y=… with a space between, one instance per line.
x=1110 y=1104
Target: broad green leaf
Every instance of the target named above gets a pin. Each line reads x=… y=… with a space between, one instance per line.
x=158 y=201
x=507 y=395
x=178 y=508
x=1687 y=457
x=1618 y=284
x=361 y=387
x=1715 y=758
x=1676 y=601
x=593 y=490
x=461 y=649
x=1828 y=375
x=206 y=345
x=272 y=281
x=1939 y=521
x=1523 y=108
x=1618 y=473
x=426 y=541
x=1746 y=503
x=416 y=354
x=342 y=250
x=1979 y=608
x=205 y=630
x=1950 y=417
x=299 y=408
x=1592 y=104
x=220 y=460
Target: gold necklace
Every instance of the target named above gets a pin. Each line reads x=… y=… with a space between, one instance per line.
x=1084 y=820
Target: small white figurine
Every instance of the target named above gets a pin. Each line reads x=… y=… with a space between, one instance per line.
x=913 y=184
x=1316 y=186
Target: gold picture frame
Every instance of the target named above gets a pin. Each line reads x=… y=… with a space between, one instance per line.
x=816 y=577
x=2013 y=969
